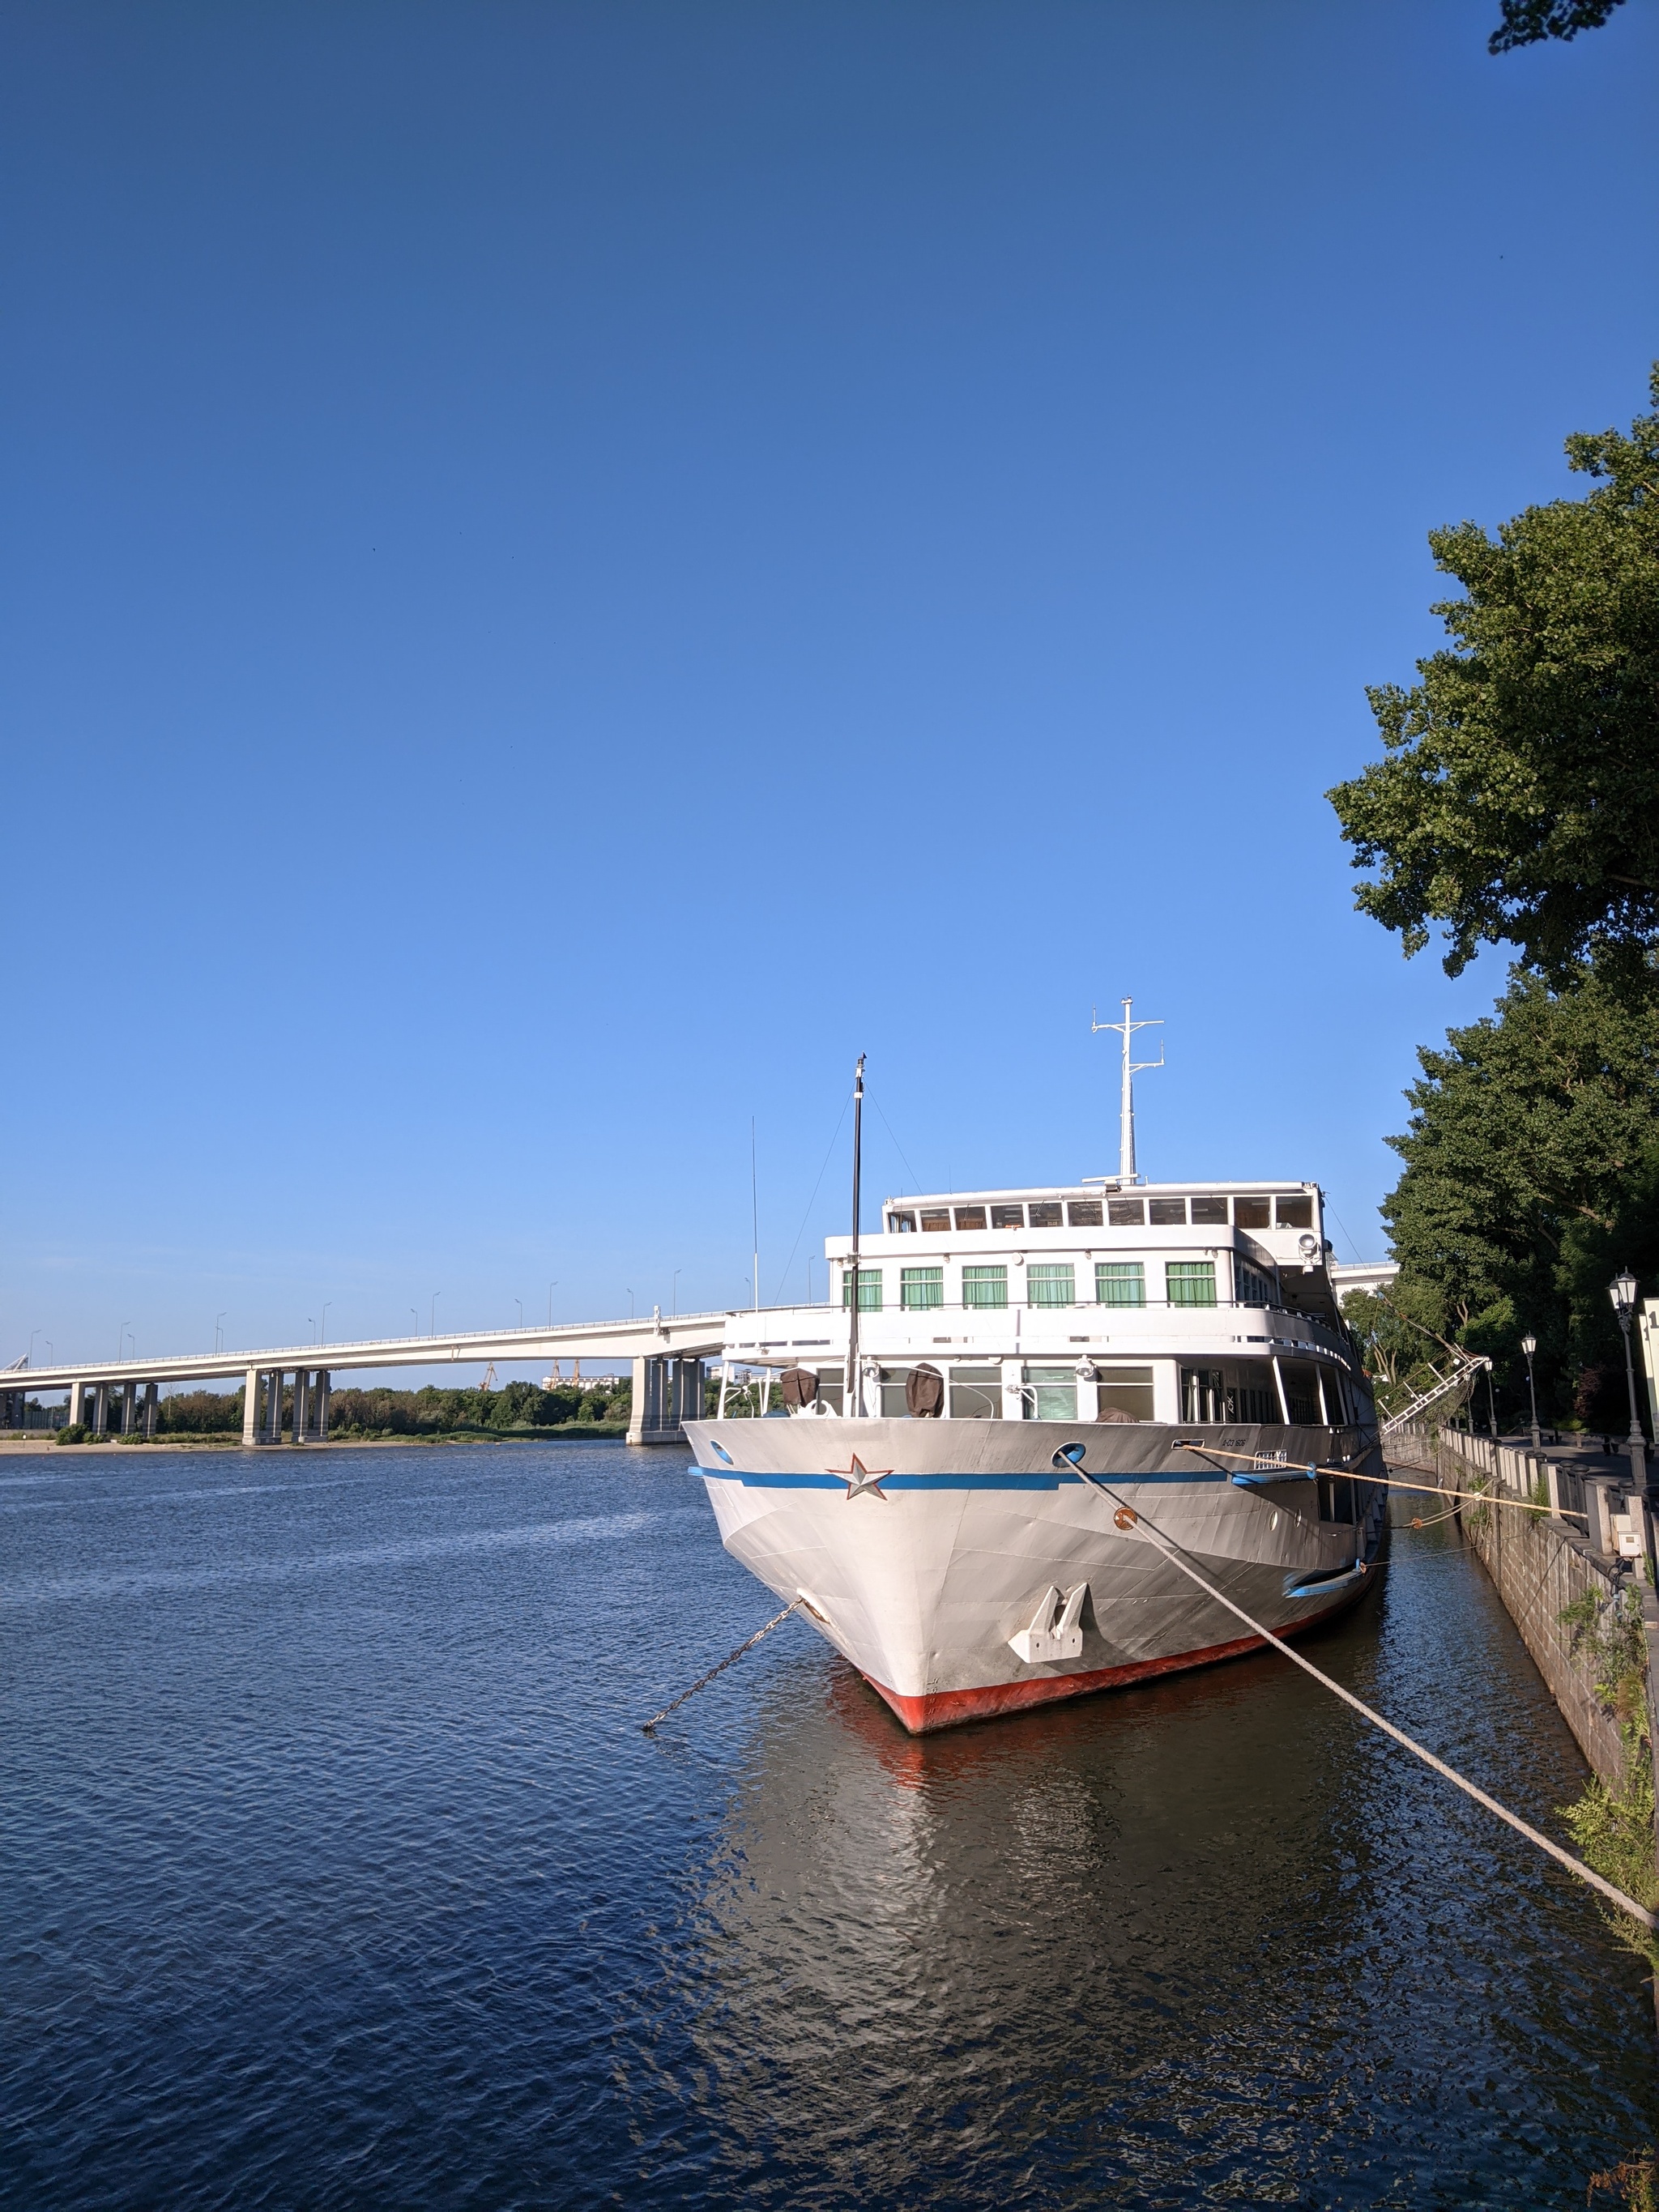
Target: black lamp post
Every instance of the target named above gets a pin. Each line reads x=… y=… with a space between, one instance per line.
x=1622 y=1291
x=1529 y=1345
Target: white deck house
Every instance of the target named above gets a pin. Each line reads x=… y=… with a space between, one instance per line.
x=1167 y=1301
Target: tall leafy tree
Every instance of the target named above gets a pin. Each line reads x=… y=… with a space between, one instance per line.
x=1518 y=799
x=1532 y=1174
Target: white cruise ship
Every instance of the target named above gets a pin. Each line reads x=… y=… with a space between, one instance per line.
x=925 y=1497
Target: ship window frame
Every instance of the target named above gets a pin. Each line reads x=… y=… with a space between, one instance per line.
x=1193 y=1275
x=978 y=1382
x=984 y=1276
x=1123 y=1273
x=1116 y=1382
x=924 y=1278
x=869 y=1278
x=1049 y=1274
x=1050 y=1393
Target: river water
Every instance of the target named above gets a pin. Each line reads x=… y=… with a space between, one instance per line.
x=336 y=1871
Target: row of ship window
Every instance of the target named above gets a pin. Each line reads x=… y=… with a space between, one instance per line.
x=1315 y=1395
x=1054 y=1282
x=1208 y=1210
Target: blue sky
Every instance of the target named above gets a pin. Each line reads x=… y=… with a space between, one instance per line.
x=568 y=568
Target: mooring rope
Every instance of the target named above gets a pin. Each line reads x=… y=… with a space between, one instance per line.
x=703 y=1680
x=1128 y=1518
x=1292 y=1468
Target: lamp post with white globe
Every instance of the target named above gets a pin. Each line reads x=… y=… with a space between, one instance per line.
x=1622 y=1291
x=1529 y=1345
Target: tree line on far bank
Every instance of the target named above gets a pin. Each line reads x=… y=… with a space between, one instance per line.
x=1518 y=803
x=604 y=1403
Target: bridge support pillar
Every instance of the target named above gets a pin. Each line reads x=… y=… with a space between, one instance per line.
x=129 y=1413
x=251 y=1408
x=152 y=1400
x=301 y=1404
x=100 y=1424
x=319 y=1402
x=636 y=1411
x=667 y=1393
x=77 y=1405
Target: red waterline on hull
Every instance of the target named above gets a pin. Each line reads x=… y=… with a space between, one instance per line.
x=951 y=1708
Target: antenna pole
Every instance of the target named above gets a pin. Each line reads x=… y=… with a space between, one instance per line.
x=854 y=1392
x=1126 y=1122
x=1125 y=1109
x=754 y=1208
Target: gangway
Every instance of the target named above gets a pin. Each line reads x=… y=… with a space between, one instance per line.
x=1455 y=1385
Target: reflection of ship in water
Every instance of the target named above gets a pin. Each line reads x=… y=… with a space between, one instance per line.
x=1011 y=1931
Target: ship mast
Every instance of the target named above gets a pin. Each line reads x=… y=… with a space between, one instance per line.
x=1132 y=1067
x=854 y=1395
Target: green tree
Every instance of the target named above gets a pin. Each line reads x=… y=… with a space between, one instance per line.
x=1519 y=801
x=1531 y=1177
x=200 y=1413
x=1401 y=1346
x=1525 y=21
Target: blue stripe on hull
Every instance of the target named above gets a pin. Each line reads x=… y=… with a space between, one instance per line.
x=1036 y=1481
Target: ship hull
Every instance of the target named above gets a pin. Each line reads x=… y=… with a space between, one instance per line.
x=925 y=1551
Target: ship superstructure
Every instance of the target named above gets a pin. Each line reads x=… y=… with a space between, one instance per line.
x=1167 y=1301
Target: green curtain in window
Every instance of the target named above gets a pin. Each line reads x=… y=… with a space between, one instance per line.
x=1119 y=1283
x=1191 y=1282
x=985 y=1286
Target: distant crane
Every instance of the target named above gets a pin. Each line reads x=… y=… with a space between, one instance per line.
x=488 y=1382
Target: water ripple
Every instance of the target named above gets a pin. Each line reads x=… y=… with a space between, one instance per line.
x=338 y=1874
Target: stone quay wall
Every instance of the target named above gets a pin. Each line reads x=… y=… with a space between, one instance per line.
x=1539 y=1565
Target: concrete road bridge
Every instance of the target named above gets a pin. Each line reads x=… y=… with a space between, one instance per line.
x=285 y=1390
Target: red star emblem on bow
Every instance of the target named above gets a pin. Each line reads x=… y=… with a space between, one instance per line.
x=860 y=1480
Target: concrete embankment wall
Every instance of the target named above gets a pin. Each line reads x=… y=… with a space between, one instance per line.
x=1539 y=1567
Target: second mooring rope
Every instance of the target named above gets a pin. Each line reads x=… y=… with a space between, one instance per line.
x=1127 y=1518
x=1293 y=1468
